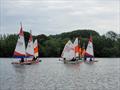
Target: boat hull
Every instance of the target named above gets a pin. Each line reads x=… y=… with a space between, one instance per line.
x=71 y=62
x=28 y=62
x=91 y=61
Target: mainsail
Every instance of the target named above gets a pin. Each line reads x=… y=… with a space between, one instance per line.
x=30 y=47
x=20 y=46
x=35 y=48
x=89 y=51
x=77 y=47
x=68 y=51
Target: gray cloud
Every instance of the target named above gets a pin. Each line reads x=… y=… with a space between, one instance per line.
x=56 y=16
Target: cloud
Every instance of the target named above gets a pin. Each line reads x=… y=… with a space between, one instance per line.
x=56 y=16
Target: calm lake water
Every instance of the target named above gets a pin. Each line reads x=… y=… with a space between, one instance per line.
x=52 y=74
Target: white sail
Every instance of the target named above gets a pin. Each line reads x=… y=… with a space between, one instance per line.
x=30 y=47
x=20 y=46
x=68 y=51
x=89 y=51
x=35 y=48
x=76 y=46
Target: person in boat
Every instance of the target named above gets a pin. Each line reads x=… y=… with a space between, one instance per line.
x=85 y=58
x=73 y=59
x=22 y=60
x=35 y=58
x=91 y=59
x=64 y=59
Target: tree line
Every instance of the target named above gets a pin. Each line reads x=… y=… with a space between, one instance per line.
x=107 y=45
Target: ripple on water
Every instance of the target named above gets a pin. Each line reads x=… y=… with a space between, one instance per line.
x=52 y=74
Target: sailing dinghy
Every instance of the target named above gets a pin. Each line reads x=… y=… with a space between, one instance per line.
x=89 y=53
x=32 y=51
x=20 y=51
x=77 y=49
x=68 y=54
x=20 y=46
x=36 y=50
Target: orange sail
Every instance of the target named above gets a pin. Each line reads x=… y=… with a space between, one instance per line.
x=77 y=48
x=36 y=48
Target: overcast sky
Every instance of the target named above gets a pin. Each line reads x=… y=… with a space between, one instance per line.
x=57 y=16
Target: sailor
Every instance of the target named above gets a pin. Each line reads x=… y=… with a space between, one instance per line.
x=73 y=59
x=22 y=60
x=64 y=58
x=85 y=58
x=90 y=59
x=34 y=59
